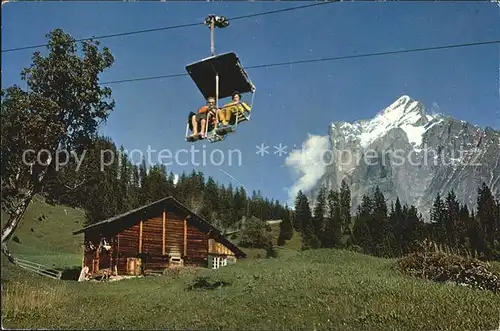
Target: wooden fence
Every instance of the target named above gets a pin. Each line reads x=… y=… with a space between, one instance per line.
x=39 y=268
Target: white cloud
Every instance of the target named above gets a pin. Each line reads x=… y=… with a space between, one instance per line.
x=176 y=178
x=309 y=164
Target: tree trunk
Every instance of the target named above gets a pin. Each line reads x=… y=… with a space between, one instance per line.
x=14 y=220
x=6 y=252
x=17 y=214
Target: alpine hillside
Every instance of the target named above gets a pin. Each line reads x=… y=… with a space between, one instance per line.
x=412 y=154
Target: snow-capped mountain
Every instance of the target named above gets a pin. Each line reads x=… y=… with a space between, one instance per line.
x=412 y=155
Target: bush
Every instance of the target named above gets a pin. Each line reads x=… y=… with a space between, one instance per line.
x=255 y=234
x=442 y=267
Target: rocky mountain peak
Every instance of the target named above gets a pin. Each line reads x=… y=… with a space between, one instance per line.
x=419 y=155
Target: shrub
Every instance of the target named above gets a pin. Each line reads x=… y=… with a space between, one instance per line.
x=255 y=234
x=443 y=267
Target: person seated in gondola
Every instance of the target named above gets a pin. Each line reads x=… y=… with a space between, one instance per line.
x=206 y=114
x=226 y=112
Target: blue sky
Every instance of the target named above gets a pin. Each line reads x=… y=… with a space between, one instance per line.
x=292 y=102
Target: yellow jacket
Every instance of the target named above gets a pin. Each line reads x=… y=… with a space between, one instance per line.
x=242 y=103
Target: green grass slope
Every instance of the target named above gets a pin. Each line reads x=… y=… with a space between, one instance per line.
x=45 y=235
x=316 y=290
x=324 y=289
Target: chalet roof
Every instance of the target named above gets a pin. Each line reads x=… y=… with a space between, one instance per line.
x=163 y=202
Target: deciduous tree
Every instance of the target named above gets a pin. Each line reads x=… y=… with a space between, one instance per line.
x=61 y=111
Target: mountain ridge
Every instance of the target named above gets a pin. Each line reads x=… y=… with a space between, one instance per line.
x=415 y=154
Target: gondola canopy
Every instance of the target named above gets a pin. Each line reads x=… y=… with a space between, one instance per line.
x=232 y=76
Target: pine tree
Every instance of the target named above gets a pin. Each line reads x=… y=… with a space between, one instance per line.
x=462 y=225
x=400 y=227
x=155 y=185
x=452 y=210
x=143 y=171
x=345 y=207
x=239 y=205
x=182 y=189
x=293 y=218
x=265 y=212
x=211 y=198
x=319 y=215
x=276 y=210
x=221 y=205
x=101 y=195
x=127 y=196
x=438 y=214
x=304 y=217
x=413 y=229
x=332 y=235
x=362 y=235
x=136 y=184
x=168 y=181
x=231 y=217
x=286 y=231
x=256 y=204
x=171 y=180
x=476 y=236
x=246 y=202
x=486 y=214
x=193 y=192
x=380 y=226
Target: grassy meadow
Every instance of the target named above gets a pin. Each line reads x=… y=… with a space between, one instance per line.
x=315 y=290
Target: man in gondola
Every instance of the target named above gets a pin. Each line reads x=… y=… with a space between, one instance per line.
x=206 y=114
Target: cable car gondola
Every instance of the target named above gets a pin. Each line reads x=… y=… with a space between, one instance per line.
x=220 y=76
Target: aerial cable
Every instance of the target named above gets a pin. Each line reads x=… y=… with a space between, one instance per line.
x=172 y=27
x=411 y=50
x=319 y=60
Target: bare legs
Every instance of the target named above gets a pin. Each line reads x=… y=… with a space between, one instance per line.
x=203 y=122
x=195 y=125
x=224 y=116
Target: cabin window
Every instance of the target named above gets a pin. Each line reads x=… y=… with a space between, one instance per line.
x=218 y=261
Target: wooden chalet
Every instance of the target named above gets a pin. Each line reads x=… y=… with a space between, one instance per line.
x=152 y=238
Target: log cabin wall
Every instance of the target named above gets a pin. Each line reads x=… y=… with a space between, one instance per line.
x=127 y=246
x=197 y=241
x=174 y=241
x=154 y=234
x=153 y=244
x=160 y=238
